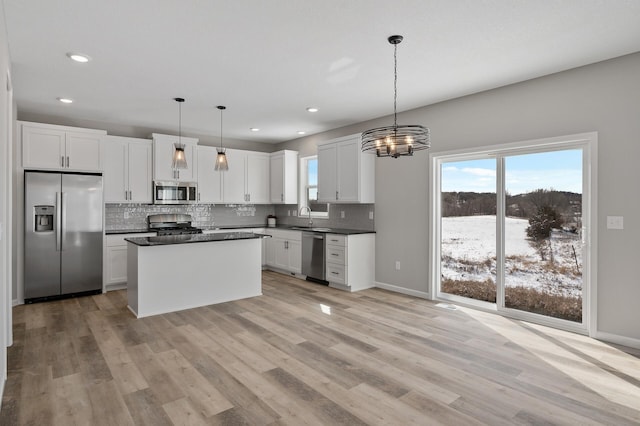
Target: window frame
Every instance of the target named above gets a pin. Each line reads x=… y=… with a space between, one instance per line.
x=303 y=188
x=588 y=142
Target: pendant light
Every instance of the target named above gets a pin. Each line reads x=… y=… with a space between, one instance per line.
x=179 y=159
x=221 y=158
x=397 y=140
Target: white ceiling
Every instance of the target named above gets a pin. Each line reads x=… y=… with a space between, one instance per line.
x=269 y=60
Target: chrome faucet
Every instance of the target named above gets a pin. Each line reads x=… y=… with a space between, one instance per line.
x=309 y=211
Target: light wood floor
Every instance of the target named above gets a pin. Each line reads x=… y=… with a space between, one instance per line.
x=307 y=354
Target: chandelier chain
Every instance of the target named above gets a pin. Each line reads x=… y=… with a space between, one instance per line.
x=395 y=85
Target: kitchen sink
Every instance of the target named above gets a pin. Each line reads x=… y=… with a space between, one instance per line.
x=310 y=228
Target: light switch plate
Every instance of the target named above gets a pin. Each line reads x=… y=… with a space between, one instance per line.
x=370 y=215
x=615 y=222
x=342 y=214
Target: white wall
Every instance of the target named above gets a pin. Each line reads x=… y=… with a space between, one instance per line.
x=6 y=111
x=603 y=97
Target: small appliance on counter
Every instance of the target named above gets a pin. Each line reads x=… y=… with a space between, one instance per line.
x=271 y=221
x=171 y=224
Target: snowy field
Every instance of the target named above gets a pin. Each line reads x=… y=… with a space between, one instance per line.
x=468 y=253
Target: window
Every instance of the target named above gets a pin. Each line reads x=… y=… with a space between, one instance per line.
x=511 y=226
x=309 y=188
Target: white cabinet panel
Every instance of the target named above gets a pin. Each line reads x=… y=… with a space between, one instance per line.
x=284 y=177
x=233 y=184
x=345 y=174
x=284 y=250
x=327 y=173
x=257 y=180
x=54 y=147
x=140 y=171
x=247 y=180
x=350 y=261
x=209 y=179
x=127 y=170
x=115 y=258
x=83 y=151
x=163 y=149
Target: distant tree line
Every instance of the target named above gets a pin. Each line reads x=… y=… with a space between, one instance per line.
x=567 y=205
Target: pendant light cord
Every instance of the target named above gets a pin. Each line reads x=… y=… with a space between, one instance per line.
x=221 y=128
x=395 y=86
x=180 y=123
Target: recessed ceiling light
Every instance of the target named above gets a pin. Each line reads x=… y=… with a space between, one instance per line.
x=65 y=100
x=79 y=57
x=254 y=129
x=312 y=109
x=301 y=132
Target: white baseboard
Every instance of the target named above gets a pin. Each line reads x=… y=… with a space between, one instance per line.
x=16 y=302
x=617 y=339
x=407 y=291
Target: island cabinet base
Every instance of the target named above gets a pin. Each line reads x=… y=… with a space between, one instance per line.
x=174 y=277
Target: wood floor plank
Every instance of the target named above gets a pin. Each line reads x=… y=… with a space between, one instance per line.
x=307 y=354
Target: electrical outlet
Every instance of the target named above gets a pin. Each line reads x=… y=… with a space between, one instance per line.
x=342 y=214
x=370 y=215
x=615 y=222
x=397 y=265
x=288 y=212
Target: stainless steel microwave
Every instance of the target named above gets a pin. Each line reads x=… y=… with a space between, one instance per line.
x=167 y=192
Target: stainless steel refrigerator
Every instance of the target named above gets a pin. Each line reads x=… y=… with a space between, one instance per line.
x=63 y=235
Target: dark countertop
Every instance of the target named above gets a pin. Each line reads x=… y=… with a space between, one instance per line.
x=126 y=231
x=192 y=238
x=321 y=229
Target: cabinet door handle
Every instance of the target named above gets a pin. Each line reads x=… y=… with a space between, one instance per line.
x=334 y=273
x=248 y=197
x=334 y=254
x=286 y=245
x=67 y=161
x=281 y=197
x=130 y=196
x=62 y=161
x=336 y=195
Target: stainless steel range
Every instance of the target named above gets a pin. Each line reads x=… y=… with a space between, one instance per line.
x=171 y=224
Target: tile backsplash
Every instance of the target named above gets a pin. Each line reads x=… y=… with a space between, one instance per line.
x=356 y=216
x=122 y=217
x=134 y=216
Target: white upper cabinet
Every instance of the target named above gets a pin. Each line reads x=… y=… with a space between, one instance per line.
x=127 y=170
x=46 y=146
x=247 y=180
x=257 y=178
x=209 y=179
x=163 y=149
x=345 y=173
x=284 y=177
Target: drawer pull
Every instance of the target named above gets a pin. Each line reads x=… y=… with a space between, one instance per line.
x=335 y=273
x=334 y=254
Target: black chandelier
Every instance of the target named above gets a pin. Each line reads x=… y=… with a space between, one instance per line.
x=397 y=140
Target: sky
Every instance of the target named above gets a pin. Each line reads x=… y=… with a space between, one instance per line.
x=559 y=170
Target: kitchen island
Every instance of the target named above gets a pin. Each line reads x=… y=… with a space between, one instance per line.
x=176 y=272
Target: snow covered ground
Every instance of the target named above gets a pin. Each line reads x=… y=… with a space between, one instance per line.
x=468 y=253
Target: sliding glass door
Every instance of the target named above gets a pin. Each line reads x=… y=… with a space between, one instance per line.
x=510 y=229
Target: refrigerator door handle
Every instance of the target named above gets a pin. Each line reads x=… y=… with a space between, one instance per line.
x=63 y=220
x=58 y=221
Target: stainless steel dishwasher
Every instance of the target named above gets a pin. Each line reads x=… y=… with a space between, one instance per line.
x=313 y=256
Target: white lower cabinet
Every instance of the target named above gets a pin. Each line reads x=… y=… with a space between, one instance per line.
x=115 y=259
x=350 y=261
x=284 y=250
